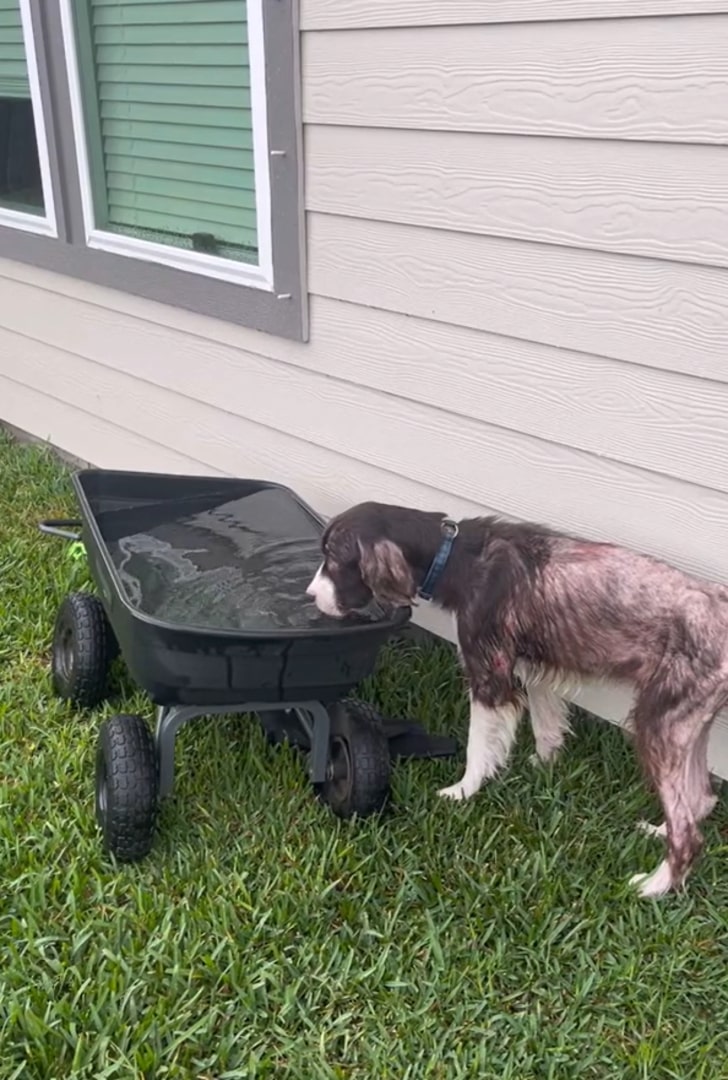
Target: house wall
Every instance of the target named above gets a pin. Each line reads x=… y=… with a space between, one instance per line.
x=518 y=265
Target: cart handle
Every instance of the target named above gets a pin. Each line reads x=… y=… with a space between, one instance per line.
x=62 y=527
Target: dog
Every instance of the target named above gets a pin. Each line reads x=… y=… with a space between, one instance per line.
x=538 y=611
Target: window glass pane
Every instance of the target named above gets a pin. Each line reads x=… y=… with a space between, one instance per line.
x=166 y=87
x=20 y=177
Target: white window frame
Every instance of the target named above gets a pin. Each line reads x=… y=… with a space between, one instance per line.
x=256 y=276
x=44 y=224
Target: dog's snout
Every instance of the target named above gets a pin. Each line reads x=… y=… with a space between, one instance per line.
x=322 y=591
x=312 y=589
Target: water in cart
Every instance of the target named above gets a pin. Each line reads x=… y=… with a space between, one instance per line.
x=242 y=565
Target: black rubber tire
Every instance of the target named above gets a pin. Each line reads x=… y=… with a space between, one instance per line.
x=84 y=647
x=127 y=787
x=359 y=763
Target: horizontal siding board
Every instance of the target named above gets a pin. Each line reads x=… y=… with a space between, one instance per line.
x=219 y=441
x=355 y=14
x=668 y=423
x=662 y=314
x=649 y=199
x=86 y=435
x=652 y=79
x=695 y=350
x=521 y=476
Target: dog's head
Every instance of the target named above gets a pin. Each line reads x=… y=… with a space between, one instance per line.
x=367 y=557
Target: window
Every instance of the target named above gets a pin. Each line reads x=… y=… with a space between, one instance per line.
x=26 y=199
x=174 y=152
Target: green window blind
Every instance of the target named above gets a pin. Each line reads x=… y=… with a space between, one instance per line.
x=13 y=68
x=167 y=91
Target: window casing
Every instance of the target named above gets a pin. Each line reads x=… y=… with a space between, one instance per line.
x=197 y=203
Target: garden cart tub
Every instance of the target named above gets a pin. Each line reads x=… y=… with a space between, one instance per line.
x=201 y=587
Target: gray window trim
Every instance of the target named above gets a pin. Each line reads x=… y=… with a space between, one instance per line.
x=284 y=311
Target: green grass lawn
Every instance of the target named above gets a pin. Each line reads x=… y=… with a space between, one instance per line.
x=264 y=938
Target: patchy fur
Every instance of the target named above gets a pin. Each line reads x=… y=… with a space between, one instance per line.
x=536 y=609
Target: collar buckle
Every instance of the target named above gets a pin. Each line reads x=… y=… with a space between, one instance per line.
x=450 y=531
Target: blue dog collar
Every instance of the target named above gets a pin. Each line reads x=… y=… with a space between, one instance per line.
x=438 y=564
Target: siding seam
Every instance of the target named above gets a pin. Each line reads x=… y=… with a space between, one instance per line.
x=324 y=376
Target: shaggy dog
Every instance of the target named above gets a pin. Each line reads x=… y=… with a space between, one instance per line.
x=536 y=609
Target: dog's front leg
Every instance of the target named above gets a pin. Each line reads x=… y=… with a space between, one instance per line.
x=491 y=734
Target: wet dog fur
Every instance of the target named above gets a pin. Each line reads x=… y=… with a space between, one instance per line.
x=536 y=611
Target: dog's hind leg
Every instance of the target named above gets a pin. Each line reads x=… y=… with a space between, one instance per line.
x=684 y=841
x=549 y=719
x=673 y=751
x=699 y=788
x=491 y=734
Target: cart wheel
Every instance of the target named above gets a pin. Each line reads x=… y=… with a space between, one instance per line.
x=84 y=647
x=359 y=762
x=127 y=787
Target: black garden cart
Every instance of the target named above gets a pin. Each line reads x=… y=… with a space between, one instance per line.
x=200 y=585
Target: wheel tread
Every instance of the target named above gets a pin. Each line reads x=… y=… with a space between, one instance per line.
x=126 y=751
x=360 y=724
x=95 y=646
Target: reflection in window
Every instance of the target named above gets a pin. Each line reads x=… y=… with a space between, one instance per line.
x=20 y=176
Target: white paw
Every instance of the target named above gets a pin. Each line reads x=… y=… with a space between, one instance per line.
x=456 y=792
x=655 y=884
x=544 y=757
x=652 y=830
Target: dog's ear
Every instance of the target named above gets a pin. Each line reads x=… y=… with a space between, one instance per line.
x=340 y=544
x=387 y=573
